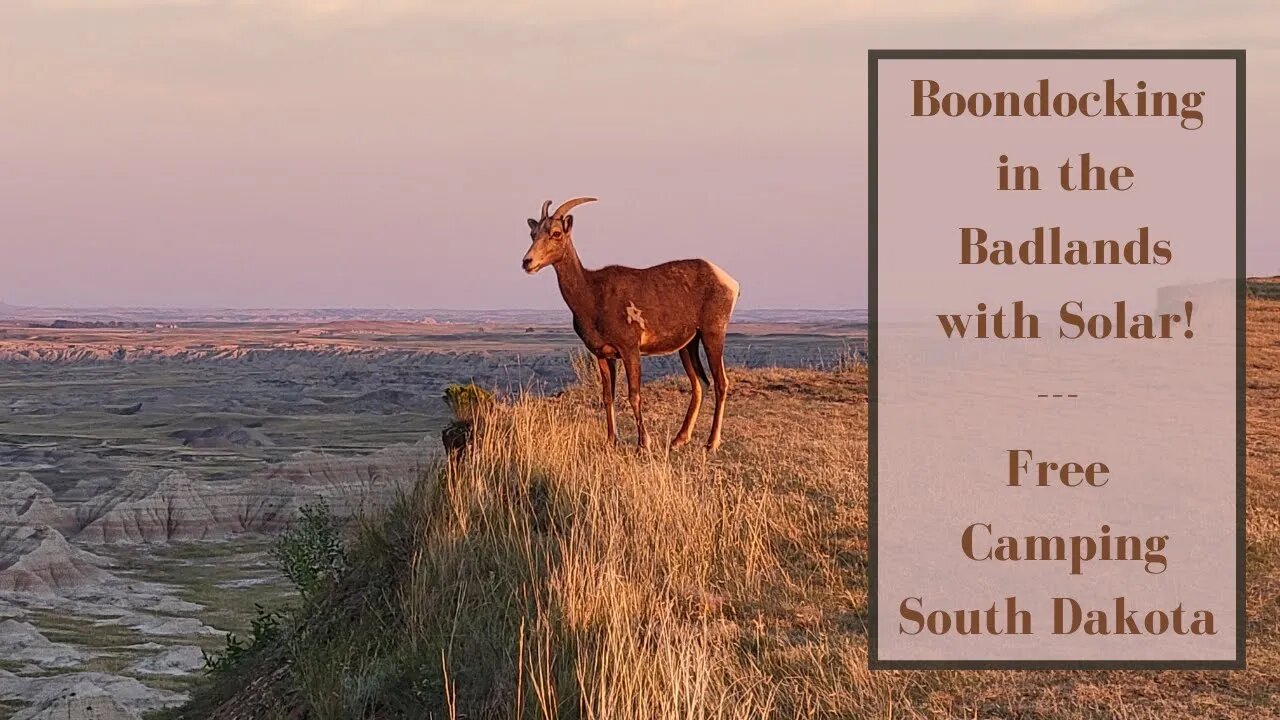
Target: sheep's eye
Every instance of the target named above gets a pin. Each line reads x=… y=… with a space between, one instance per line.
x=555 y=234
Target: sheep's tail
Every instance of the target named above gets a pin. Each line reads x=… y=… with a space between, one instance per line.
x=692 y=347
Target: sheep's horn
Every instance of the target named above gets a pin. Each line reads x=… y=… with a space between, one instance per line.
x=571 y=204
x=545 y=205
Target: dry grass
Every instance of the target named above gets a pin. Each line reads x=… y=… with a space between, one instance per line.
x=543 y=578
x=659 y=586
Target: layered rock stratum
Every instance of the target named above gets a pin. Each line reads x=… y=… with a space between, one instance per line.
x=180 y=660
x=156 y=507
x=159 y=507
x=27 y=501
x=84 y=695
x=37 y=559
x=23 y=642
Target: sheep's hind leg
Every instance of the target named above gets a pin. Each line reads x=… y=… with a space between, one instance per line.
x=688 y=359
x=714 y=342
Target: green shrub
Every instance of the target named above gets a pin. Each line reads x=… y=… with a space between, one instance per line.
x=468 y=402
x=264 y=631
x=311 y=552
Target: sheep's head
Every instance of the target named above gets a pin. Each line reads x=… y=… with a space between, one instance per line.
x=551 y=235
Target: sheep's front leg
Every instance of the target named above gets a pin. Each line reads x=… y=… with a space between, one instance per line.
x=631 y=362
x=608 y=383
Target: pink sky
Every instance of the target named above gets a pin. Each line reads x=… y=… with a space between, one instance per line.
x=385 y=153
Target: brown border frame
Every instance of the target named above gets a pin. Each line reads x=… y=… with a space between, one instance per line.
x=873 y=58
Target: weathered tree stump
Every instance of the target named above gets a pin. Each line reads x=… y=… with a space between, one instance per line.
x=469 y=403
x=456 y=436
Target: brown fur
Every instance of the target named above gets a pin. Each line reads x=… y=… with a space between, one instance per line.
x=623 y=313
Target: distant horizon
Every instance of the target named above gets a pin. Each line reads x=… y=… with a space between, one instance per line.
x=385 y=308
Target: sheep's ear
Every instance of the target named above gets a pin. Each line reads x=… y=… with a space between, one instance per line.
x=568 y=223
x=533 y=224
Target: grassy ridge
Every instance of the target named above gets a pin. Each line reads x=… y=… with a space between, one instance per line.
x=546 y=578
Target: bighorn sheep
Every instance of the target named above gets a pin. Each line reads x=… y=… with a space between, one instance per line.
x=622 y=313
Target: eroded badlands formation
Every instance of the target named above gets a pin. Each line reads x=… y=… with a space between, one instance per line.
x=46 y=564
x=143 y=470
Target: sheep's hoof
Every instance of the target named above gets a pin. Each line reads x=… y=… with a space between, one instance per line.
x=713 y=446
x=678 y=442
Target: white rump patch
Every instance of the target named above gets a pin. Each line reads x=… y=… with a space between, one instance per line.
x=724 y=279
x=634 y=316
